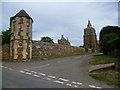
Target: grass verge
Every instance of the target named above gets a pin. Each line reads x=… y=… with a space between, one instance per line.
x=110 y=77
x=103 y=59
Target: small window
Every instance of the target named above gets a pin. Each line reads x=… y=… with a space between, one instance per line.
x=26 y=34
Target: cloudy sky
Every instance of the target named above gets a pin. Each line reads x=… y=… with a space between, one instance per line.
x=54 y=19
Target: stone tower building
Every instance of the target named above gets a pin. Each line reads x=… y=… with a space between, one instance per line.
x=21 y=38
x=63 y=41
x=90 y=40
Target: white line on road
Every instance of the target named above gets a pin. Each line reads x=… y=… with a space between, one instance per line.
x=78 y=83
x=36 y=75
x=28 y=73
x=99 y=87
x=33 y=72
x=92 y=86
x=63 y=79
x=74 y=82
x=51 y=76
x=59 y=82
x=75 y=86
x=22 y=71
x=69 y=84
x=42 y=74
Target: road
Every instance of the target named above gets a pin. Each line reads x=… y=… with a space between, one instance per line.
x=69 y=72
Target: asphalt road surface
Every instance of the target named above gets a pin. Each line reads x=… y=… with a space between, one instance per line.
x=69 y=72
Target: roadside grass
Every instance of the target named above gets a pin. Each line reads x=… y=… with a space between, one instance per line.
x=110 y=77
x=60 y=56
x=103 y=59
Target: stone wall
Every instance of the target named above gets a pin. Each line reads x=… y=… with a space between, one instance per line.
x=47 y=49
x=4 y=52
x=21 y=39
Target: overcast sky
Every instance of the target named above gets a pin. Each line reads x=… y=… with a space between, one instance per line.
x=54 y=19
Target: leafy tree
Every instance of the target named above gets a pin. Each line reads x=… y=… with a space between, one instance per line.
x=6 y=37
x=108 y=30
x=46 y=39
x=108 y=42
x=109 y=39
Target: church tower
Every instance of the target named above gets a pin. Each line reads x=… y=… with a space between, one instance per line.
x=90 y=40
x=21 y=38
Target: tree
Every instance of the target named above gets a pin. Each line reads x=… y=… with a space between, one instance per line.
x=109 y=39
x=108 y=43
x=46 y=39
x=6 y=37
x=6 y=34
x=108 y=30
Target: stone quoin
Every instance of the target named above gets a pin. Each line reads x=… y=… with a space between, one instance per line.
x=21 y=38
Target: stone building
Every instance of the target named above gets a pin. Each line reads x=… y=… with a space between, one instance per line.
x=21 y=38
x=63 y=41
x=90 y=40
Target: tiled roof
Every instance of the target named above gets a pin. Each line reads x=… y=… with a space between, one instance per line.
x=23 y=13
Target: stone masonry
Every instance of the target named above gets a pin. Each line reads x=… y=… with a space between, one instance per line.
x=90 y=40
x=63 y=41
x=49 y=49
x=21 y=38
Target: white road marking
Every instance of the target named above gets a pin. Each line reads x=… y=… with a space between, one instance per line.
x=74 y=82
x=79 y=83
x=40 y=66
x=42 y=74
x=48 y=78
x=28 y=73
x=22 y=71
x=63 y=79
x=75 y=86
x=92 y=86
x=36 y=75
x=51 y=76
x=69 y=84
x=33 y=72
x=59 y=82
x=99 y=87
x=1 y=66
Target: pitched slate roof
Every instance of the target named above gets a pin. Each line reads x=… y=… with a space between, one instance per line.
x=22 y=13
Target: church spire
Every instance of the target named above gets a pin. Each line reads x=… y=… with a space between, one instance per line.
x=89 y=24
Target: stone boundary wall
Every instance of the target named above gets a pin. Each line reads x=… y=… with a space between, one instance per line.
x=5 y=52
x=47 y=49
